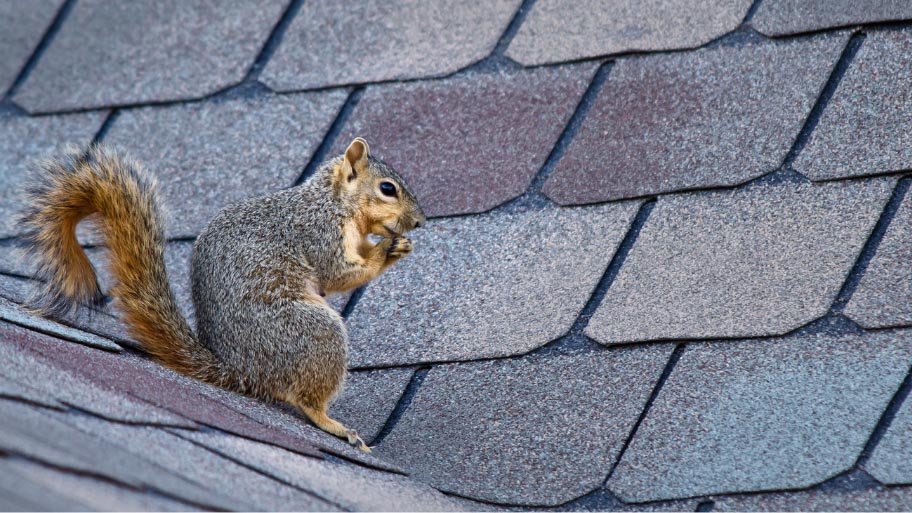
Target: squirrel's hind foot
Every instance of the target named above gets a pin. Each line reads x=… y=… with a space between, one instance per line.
x=356 y=440
x=319 y=417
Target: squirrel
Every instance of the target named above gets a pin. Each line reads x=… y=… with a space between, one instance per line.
x=260 y=270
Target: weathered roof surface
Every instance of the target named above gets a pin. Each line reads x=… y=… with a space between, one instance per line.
x=557 y=30
x=696 y=103
x=781 y=17
x=331 y=43
x=668 y=266
x=127 y=53
x=862 y=131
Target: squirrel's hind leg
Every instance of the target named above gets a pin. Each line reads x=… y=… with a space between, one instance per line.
x=319 y=417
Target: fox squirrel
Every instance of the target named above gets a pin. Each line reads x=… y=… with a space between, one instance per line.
x=260 y=269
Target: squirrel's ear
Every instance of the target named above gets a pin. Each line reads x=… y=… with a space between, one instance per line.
x=355 y=161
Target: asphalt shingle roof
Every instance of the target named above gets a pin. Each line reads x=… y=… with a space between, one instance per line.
x=739 y=263
x=23 y=141
x=168 y=50
x=559 y=30
x=781 y=17
x=862 y=131
x=677 y=121
x=450 y=134
x=377 y=40
x=668 y=266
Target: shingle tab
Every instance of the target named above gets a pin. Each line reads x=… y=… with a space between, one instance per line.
x=49 y=489
x=886 y=499
x=558 y=30
x=11 y=388
x=884 y=294
x=352 y=487
x=207 y=155
x=864 y=128
x=150 y=382
x=23 y=141
x=147 y=52
x=43 y=436
x=891 y=460
x=330 y=44
x=679 y=121
x=248 y=489
x=368 y=399
x=22 y=24
x=90 y=320
x=58 y=383
x=16 y=289
x=468 y=144
x=15 y=314
x=479 y=286
x=291 y=423
x=762 y=415
x=745 y=263
x=529 y=431
x=782 y=17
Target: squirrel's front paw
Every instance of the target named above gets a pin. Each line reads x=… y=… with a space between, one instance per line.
x=399 y=247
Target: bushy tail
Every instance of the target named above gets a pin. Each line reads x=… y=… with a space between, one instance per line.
x=101 y=181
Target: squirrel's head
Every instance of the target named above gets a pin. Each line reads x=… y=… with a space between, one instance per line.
x=385 y=204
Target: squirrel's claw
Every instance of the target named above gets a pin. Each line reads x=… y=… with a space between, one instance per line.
x=356 y=440
x=399 y=247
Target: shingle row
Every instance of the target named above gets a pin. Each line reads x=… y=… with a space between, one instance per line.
x=116 y=390
x=175 y=50
x=658 y=124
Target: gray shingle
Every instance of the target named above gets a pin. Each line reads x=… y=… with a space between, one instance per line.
x=291 y=423
x=559 y=30
x=22 y=23
x=885 y=499
x=247 y=488
x=884 y=294
x=470 y=143
x=864 y=128
x=25 y=140
x=147 y=52
x=207 y=155
x=17 y=390
x=328 y=44
x=529 y=431
x=57 y=383
x=762 y=415
x=891 y=460
x=92 y=321
x=479 y=286
x=50 y=489
x=42 y=435
x=15 y=314
x=16 y=289
x=12 y=258
x=678 y=121
x=18 y=493
x=350 y=486
x=781 y=17
x=143 y=379
x=368 y=399
x=758 y=261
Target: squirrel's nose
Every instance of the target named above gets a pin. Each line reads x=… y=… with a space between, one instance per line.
x=417 y=224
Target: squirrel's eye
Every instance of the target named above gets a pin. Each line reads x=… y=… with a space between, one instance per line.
x=388 y=189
